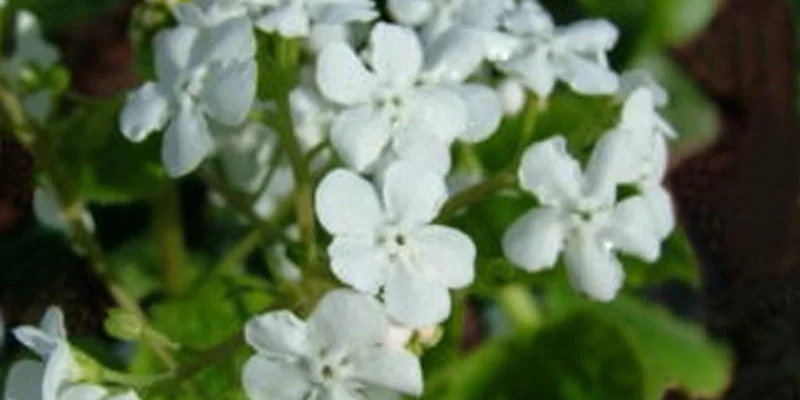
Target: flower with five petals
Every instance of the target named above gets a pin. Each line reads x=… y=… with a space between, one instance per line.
x=387 y=244
x=338 y=353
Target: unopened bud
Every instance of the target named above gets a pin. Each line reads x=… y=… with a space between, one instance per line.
x=124 y=325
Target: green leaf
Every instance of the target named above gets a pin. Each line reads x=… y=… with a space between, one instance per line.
x=580 y=357
x=109 y=168
x=210 y=314
x=673 y=351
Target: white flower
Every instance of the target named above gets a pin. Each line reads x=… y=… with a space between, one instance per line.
x=30 y=379
x=296 y=18
x=337 y=354
x=32 y=56
x=389 y=111
x=386 y=243
x=640 y=140
x=203 y=73
x=575 y=54
x=48 y=211
x=578 y=216
x=458 y=34
x=3 y=3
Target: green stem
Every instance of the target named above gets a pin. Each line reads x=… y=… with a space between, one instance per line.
x=168 y=229
x=528 y=124
x=239 y=252
x=474 y=194
x=206 y=359
x=519 y=306
x=287 y=60
x=72 y=207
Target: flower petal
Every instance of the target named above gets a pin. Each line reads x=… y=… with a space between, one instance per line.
x=83 y=392
x=340 y=311
x=58 y=371
x=229 y=93
x=342 y=77
x=359 y=136
x=278 y=334
x=346 y=203
x=187 y=141
x=484 y=112
x=632 y=229
x=448 y=254
x=337 y=14
x=588 y=36
x=395 y=54
x=549 y=172
x=410 y=12
x=359 y=262
x=614 y=160
x=426 y=151
x=24 y=381
x=289 y=21
x=662 y=214
x=230 y=41
x=146 y=111
x=173 y=49
x=392 y=368
x=415 y=301
x=454 y=55
x=535 y=240
x=534 y=69
x=265 y=379
x=436 y=111
x=52 y=323
x=585 y=76
x=592 y=267
x=412 y=195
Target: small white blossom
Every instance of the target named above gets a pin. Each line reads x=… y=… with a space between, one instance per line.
x=389 y=112
x=3 y=3
x=312 y=113
x=297 y=18
x=386 y=243
x=575 y=54
x=32 y=56
x=337 y=354
x=579 y=217
x=640 y=140
x=202 y=73
x=29 y=379
x=438 y=16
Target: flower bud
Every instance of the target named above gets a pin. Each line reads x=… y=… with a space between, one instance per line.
x=124 y=325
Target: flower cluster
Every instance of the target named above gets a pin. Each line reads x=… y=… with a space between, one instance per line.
x=386 y=109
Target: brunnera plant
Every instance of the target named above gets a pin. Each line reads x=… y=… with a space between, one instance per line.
x=379 y=177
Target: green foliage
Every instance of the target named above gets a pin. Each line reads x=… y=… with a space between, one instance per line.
x=215 y=311
x=671 y=351
x=550 y=363
x=109 y=168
